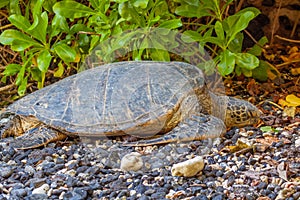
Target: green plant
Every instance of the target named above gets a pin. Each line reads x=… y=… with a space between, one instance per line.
x=224 y=32
x=124 y=16
x=39 y=43
x=51 y=33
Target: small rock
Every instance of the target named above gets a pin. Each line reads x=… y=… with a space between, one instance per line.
x=188 y=168
x=38 y=197
x=131 y=162
x=18 y=192
x=5 y=172
x=41 y=190
x=29 y=169
x=297 y=143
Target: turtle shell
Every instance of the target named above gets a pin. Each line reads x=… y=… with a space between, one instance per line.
x=115 y=99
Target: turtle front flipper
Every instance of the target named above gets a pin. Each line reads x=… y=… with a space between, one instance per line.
x=36 y=137
x=196 y=127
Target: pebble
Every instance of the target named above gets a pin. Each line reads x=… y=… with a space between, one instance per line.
x=41 y=190
x=297 y=143
x=188 y=168
x=131 y=162
x=5 y=172
x=85 y=171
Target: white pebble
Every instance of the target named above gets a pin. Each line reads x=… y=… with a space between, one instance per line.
x=41 y=190
x=131 y=162
x=29 y=169
x=297 y=143
x=188 y=168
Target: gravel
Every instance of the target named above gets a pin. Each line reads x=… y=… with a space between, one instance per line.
x=85 y=170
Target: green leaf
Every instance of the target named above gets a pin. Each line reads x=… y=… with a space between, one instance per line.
x=58 y=24
x=48 y=5
x=18 y=40
x=36 y=74
x=171 y=24
x=140 y=3
x=60 y=71
x=236 y=44
x=40 y=30
x=247 y=72
x=130 y=14
x=72 y=9
x=256 y=49
x=219 y=31
x=14 y=7
x=79 y=27
x=260 y=72
x=20 y=76
x=65 y=52
x=19 y=21
x=37 y=7
x=236 y=23
x=159 y=55
x=4 y=3
x=43 y=60
x=227 y=62
x=22 y=86
x=11 y=69
x=246 y=60
x=190 y=36
x=266 y=129
x=187 y=10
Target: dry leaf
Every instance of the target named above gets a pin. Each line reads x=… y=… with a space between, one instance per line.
x=289 y=111
x=239 y=146
x=268 y=140
x=295 y=71
x=252 y=88
x=293 y=99
x=290 y=101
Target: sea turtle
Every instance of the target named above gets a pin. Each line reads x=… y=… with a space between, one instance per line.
x=140 y=98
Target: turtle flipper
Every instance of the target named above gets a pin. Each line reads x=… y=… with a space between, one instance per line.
x=196 y=127
x=36 y=137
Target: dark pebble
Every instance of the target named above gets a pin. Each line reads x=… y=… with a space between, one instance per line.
x=242 y=168
x=219 y=173
x=296 y=195
x=149 y=192
x=217 y=197
x=252 y=161
x=123 y=193
x=18 y=192
x=2 y=197
x=5 y=172
x=144 y=197
x=59 y=160
x=200 y=197
x=158 y=195
x=262 y=185
x=72 y=196
x=231 y=180
x=272 y=195
x=37 y=197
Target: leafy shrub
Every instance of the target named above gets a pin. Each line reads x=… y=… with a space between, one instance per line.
x=61 y=33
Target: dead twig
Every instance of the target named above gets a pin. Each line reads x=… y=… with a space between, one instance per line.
x=286 y=39
x=7 y=87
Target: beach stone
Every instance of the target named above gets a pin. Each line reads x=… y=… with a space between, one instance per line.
x=5 y=172
x=41 y=190
x=297 y=143
x=188 y=168
x=131 y=162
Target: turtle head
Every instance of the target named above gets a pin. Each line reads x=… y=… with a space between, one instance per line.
x=241 y=113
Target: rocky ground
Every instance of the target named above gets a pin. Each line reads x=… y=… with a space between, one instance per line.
x=246 y=163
